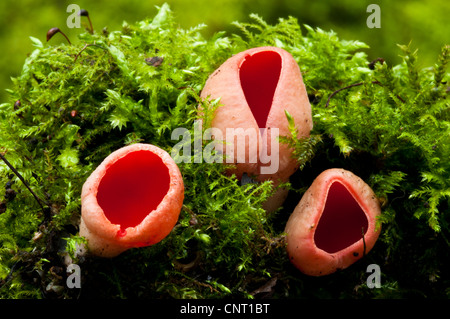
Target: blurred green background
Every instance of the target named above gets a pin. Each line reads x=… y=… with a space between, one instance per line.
x=424 y=22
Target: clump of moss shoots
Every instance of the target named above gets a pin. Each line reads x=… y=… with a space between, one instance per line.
x=74 y=104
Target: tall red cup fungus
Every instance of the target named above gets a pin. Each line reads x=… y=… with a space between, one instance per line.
x=255 y=88
x=132 y=199
x=334 y=223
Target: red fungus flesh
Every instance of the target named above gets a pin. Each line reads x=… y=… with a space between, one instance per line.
x=132 y=188
x=343 y=221
x=259 y=75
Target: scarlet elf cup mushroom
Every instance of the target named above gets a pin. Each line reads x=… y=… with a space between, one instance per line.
x=132 y=199
x=334 y=224
x=255 y=88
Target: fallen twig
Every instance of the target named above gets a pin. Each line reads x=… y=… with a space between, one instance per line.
x=40 y=201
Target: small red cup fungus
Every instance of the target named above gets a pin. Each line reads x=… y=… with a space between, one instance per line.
x=256 y=87
x=132 y=199
x=334 y=224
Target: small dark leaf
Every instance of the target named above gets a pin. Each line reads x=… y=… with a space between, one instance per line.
x=2 y=207
x=10 y=194
x=267 y=288
x=17 y=104
x=247 y=179
x=372 y=64
x=154 y=61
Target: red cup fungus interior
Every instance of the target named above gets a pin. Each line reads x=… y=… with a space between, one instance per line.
x=259 y=75
x=132 y=188
x=343 y=222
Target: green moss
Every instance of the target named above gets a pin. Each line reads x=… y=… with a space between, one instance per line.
x=75 y=104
